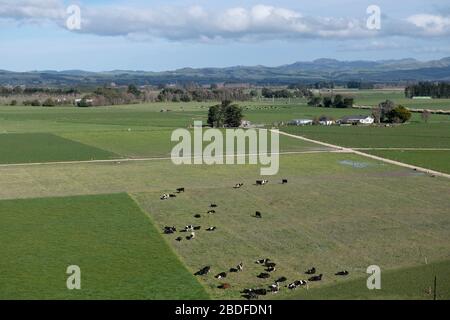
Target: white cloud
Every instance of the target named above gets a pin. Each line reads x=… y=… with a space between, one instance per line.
x=260 y=22
x=32 y=9
x=433 y=25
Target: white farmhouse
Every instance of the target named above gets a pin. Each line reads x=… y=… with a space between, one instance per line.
x=301 y=122
x=357 y=120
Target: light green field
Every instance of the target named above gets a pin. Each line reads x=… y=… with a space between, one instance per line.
x=120 y=253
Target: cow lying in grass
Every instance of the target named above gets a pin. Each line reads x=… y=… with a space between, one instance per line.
x=203 y=272
x=316 y=278
x=170 y=230
x=299 y=283
x=311 y=271
x=238 y=186
x=342 y=273
x=180 y=190
x=262 y=182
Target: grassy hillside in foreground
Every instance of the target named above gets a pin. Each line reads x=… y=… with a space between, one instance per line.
x=119 y=251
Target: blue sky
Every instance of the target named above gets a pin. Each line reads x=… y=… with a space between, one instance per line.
x=166 y=35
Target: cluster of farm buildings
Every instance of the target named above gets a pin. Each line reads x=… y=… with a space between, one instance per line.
x=348 y=120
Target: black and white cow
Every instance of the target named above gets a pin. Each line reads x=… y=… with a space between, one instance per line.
x=170 y=230
x=211 y=229
x=285 y=181
x=258 y=215
x=342 y=273
x=238 y=186
x=180 y=190
x=262 y=261
x=221 y=275
x=165 y=196
x=203 y=272
x=261 y=182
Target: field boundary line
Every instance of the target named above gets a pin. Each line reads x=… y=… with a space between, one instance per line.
x=119 y=160
x=355 y=151
x=403 y=149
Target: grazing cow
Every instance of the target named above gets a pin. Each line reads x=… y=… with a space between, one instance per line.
x=274 y=288
x=271 y=269
x=179 y=239
x=234 y=270
x=270 y=264
x=203 y=272
x=240 y=267
x=282 y=279
x=180 y=190
x=221 y=275
x=170 y=230
x=197 y=228
x=238 y=186
x=191 y=236
x=311 y=271
x=211 y=211
x=294 y=285
x=316 y=278
x=189 y=228
x=258 y=215
x=213 y=205
x=165 y=196
x=264 y=275
x=211 y=229
x=261 y=182
x=262 y=261
x=285 y=181
x=342 y=273
x=198 y=216
x=172 y=195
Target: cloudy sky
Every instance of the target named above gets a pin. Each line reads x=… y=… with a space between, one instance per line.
x=164 y=35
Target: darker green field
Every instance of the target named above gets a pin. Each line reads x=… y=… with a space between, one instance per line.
x=120 y=253
x=436 y=135
x=436 y=160
x=415 y=283
x=45 y=147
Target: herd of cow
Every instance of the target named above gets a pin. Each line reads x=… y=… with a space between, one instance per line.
x=268 y=265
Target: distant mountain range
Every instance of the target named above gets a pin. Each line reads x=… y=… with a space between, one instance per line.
x=383 y=71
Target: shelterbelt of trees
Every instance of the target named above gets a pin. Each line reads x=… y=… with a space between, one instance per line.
x=109 y=95
x=437 y=90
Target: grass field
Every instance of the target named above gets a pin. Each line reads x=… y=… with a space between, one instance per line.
x=331 y=214
x=414 y=283
x=45 y=147
x=436 y=160
x=414 y=135
x=120 y=253
x=374 y=97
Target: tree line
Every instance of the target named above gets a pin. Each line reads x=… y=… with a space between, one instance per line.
x=438 y=90
x=337 y=101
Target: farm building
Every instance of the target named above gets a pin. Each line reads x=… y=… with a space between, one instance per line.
x=355 y=120
x=301 y=122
